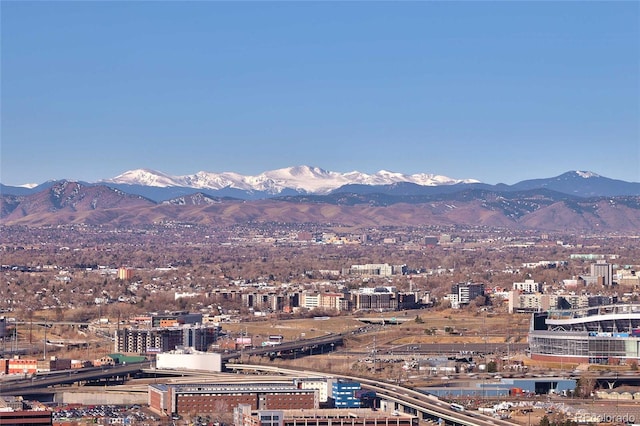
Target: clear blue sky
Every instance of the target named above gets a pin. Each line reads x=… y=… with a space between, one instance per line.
x=496 y=91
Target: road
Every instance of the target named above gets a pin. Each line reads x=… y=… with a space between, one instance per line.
x=39 y=382
x=427 y=406
x=460 y=348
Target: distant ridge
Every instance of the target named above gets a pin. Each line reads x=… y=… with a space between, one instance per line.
x=306 y=180
x=543 y=209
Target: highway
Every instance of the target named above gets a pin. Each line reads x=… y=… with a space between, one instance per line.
x=37 y=383
x=315 y=346
x=460 y=348
x=414 y=402
x=18 y=386
x=426 y=407
x=407 y=400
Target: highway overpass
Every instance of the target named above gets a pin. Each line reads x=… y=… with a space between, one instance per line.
x=293 y=349
x=400 y=398
x=38 y=383
x=407 y=400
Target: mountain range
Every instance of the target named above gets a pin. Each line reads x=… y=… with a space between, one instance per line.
x=572 y=201
x=299 y=180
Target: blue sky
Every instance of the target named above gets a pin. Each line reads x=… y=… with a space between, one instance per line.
x=496 y=91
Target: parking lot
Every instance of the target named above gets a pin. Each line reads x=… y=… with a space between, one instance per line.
x=105 y=414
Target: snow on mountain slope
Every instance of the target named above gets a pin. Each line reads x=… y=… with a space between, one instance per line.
x=586 y=175
x=307 y=179
x=144 y=177
x=300 y=178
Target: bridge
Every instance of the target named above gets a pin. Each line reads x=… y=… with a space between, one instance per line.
x=297 y=348
x=39 y=384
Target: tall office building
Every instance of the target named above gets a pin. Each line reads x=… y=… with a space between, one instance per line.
x=603 y=271
x=465 y=293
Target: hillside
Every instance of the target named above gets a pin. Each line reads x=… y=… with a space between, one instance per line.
x=74 y=203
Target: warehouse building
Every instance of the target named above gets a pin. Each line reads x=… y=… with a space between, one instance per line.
x=205 y=399
x=245 y=416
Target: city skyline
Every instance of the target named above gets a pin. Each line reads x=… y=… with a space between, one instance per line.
x=494 y=91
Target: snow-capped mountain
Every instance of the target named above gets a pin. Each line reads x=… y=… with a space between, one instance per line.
x=144 y=177
x=395 y=204
x=303 y=179
x=313 y=181
x=587 y=175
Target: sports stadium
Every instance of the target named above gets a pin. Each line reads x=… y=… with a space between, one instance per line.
x=596 y=335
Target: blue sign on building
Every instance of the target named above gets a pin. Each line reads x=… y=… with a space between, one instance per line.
x=344 y=394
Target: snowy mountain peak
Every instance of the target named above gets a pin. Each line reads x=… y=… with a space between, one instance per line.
x=305 y=179
x=28 y=185
x=586 y=175
x=145 y=177
x=387 y=173
x=304 y=171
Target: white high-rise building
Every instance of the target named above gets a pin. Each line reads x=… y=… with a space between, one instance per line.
x=528 y=286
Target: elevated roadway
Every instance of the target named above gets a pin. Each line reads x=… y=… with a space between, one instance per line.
x=403 y=399
x=407 y=400
x=32 y=385
x=314 y=346
x=36 y=384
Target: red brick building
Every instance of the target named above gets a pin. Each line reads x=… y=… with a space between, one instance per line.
x=216 y=398
x=22 y=366
x=25 y=417
x=16 y=411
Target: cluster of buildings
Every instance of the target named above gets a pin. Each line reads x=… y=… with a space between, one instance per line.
x=520 y=302
x=530 y=296
x=376 y=269
x=271 y=299
x=383 y=298
x=30 y=366
x=157 y=333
